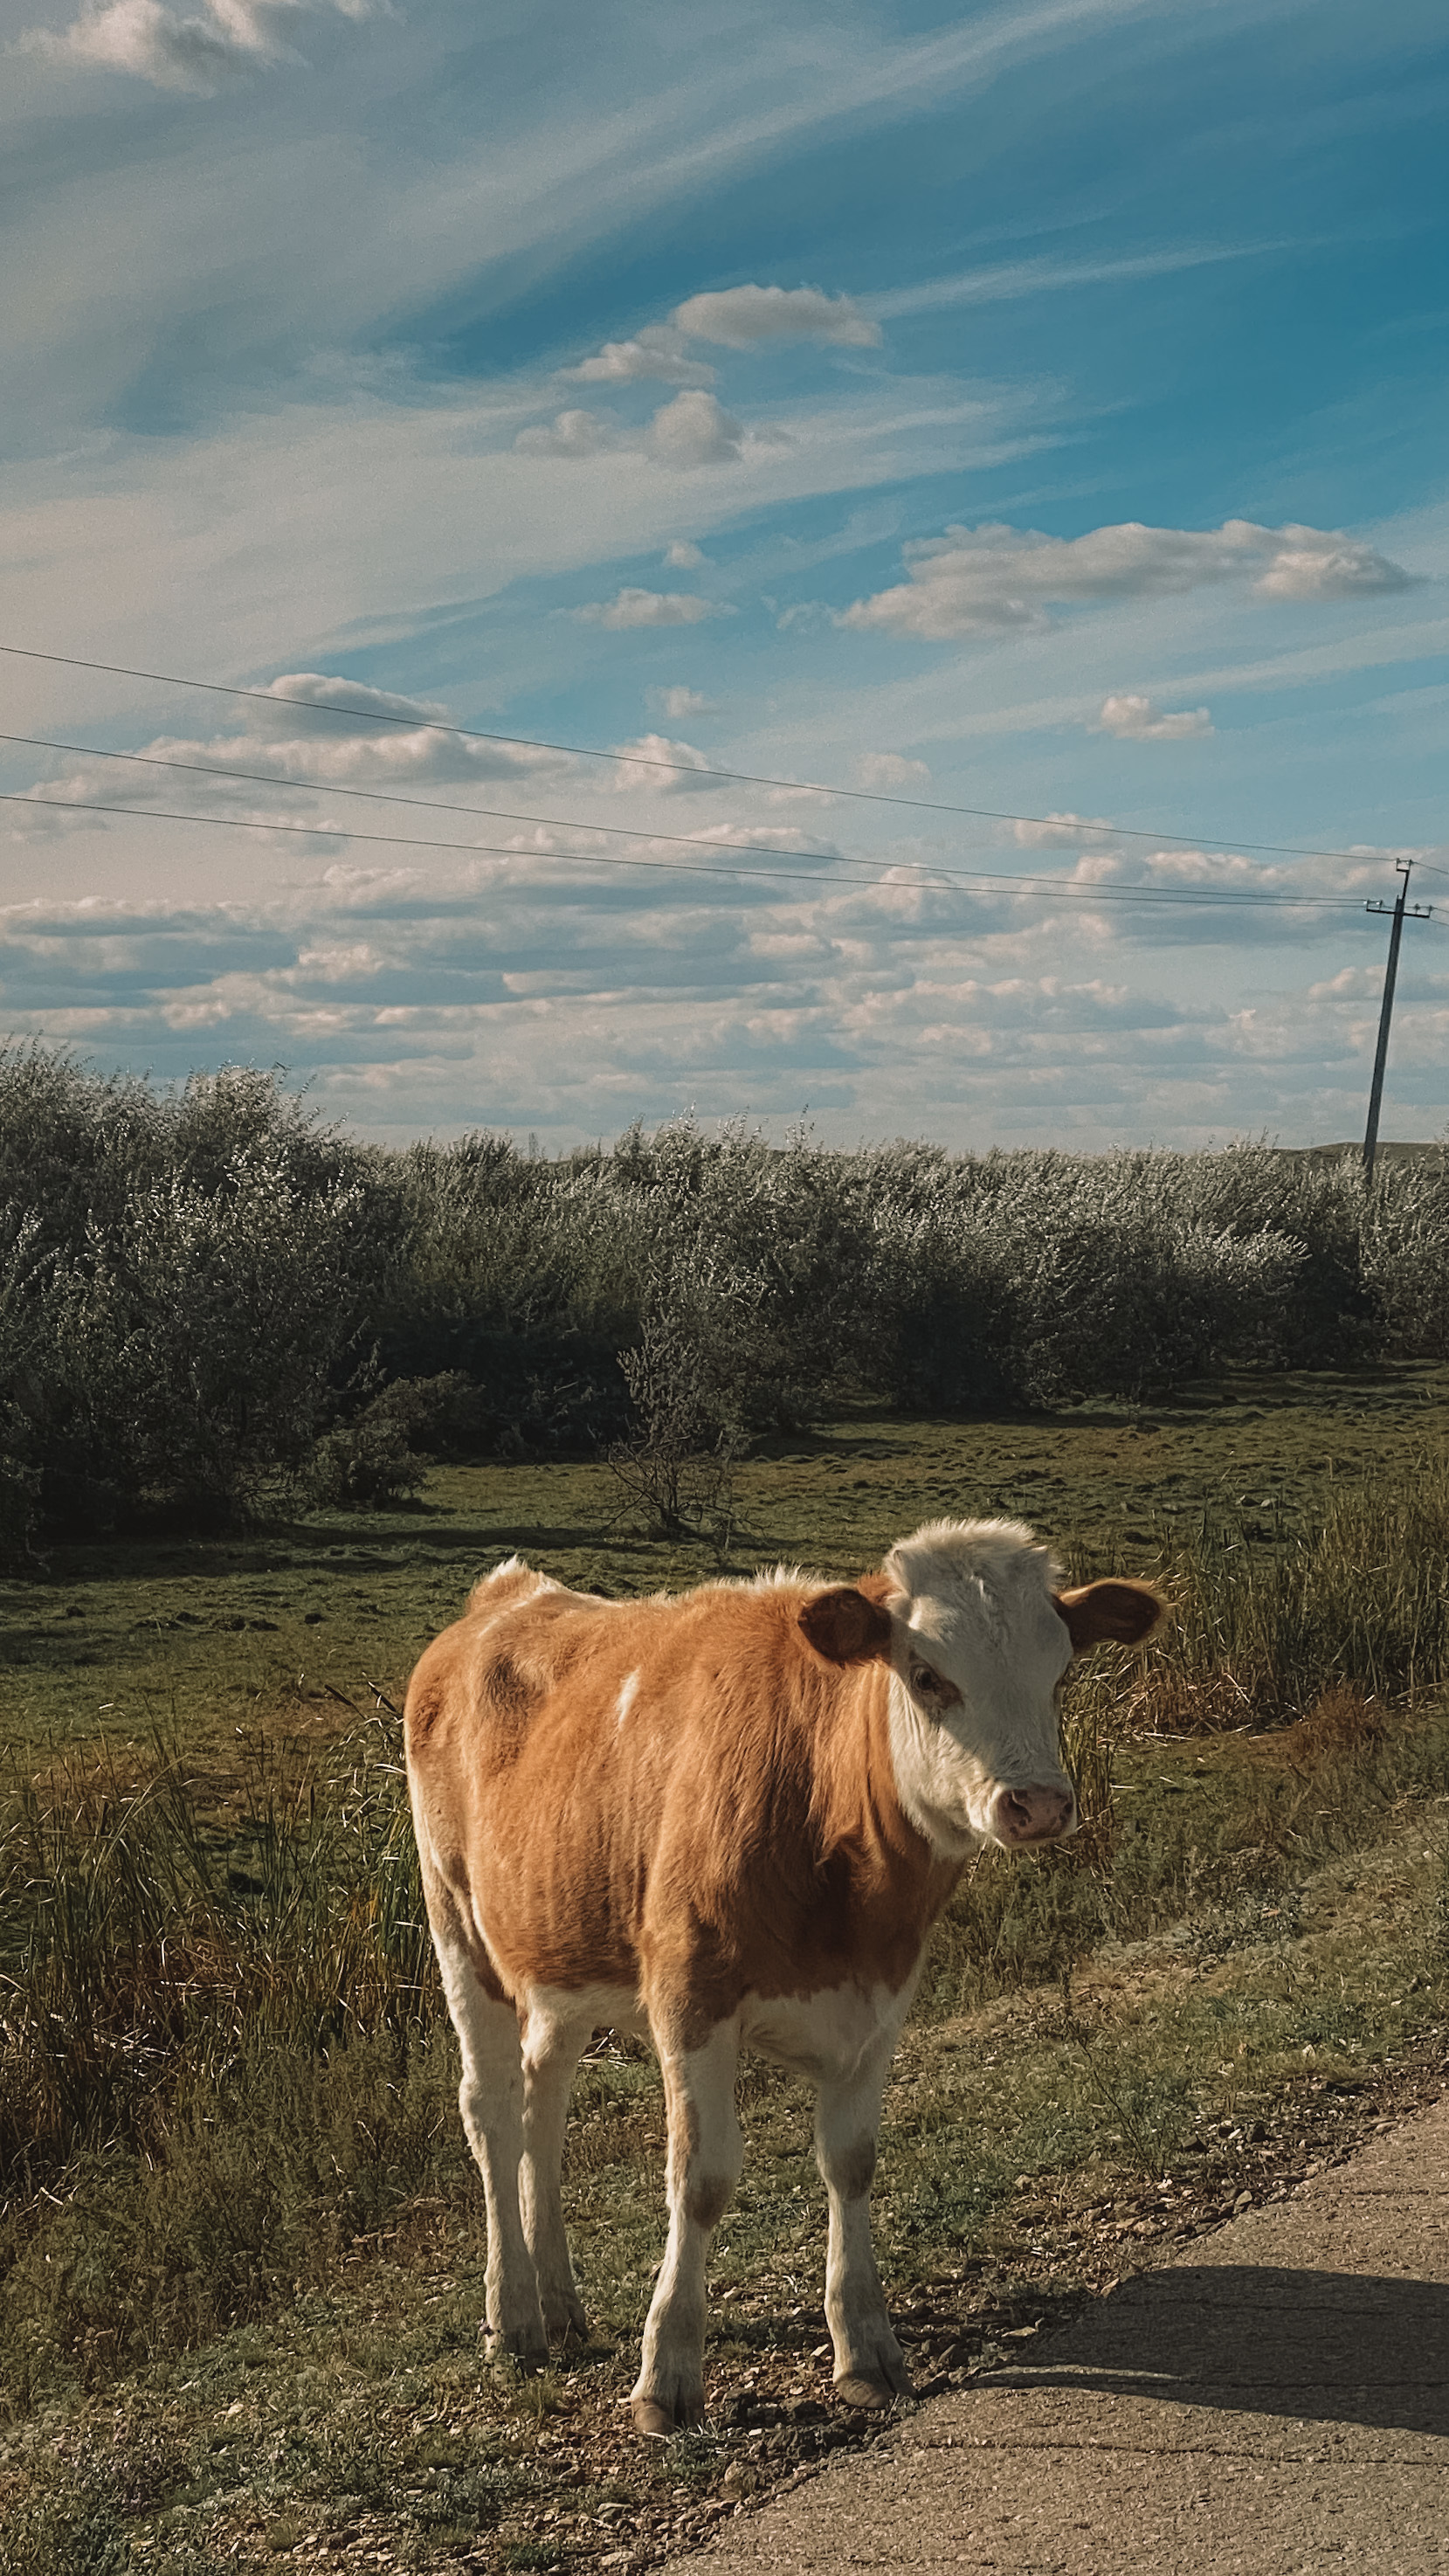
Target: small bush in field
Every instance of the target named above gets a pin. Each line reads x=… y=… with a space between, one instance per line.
x=383 y=1454
x=685 y=1380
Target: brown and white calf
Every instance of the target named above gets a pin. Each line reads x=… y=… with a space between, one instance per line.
x=728 y=1819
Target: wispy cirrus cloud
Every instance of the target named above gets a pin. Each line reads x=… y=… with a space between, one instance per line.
x=196 y=50
x=1008 y=280
x=994 y=579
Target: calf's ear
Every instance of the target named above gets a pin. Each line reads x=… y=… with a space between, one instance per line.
x=1115 y=1608
x=845 y=1626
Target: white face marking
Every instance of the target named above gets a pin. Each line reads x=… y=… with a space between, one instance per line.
x=628 y=1693
x=978 y=1617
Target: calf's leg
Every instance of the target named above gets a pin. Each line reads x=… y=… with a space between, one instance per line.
x=870 y=2367
x=552 y=2040
x=490 y=2098
x=705 y=2155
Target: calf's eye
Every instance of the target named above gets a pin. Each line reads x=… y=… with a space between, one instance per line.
x=932 y=1687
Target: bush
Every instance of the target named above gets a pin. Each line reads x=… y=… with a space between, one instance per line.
x=382 y=1455
x=186 y=1274
x=690 y=1399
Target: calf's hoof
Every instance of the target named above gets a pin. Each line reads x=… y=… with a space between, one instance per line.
x=660 y=2423
x=525 y=2347
x=856 y=2390
x=566 y=2321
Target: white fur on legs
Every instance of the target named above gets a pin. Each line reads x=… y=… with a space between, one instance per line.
x=870 y=2367
x=706 y=2152
x=556 y=2030
x=490 y=2098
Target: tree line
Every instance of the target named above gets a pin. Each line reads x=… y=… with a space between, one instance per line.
x=215 y=1306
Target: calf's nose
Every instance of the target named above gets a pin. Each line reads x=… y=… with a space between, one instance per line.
x=1037 y=1814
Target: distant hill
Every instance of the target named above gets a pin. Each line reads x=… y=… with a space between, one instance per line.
x=1382 y=1153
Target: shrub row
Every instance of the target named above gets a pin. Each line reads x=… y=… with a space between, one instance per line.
x=207 y=1297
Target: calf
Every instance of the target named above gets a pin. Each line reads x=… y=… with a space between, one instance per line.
x=728 y=1819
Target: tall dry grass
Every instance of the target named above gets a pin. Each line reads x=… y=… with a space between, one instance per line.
x=152 y=1941
x=1261 y=1631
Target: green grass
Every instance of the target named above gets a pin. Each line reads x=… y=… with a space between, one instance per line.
x=204 y=1636
x=241 y=2242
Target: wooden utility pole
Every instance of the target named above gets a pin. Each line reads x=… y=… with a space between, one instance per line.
x=1421 y=912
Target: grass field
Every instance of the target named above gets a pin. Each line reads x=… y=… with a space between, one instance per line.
x=208 y=1635
x=243 y=2245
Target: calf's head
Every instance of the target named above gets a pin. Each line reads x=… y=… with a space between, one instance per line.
x=971 y=1620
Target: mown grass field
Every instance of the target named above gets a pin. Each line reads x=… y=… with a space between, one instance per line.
x=242 y=2242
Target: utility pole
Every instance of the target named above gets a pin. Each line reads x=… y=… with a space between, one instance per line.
x=1421 y=912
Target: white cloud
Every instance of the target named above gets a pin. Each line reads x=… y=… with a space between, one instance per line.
x=648 y=608
x=253 y=774
x=1136 y=719
x=678 y=703
x=195 y=51
x=682 y=555
x=573 y=433
x=659 y=766
x=743 y=315
x=1056 y=831
x=804 y=617
x=882 y=770
x=659 y=354
x=786 y=840
x=797 y=796
x=344 y=698
x=996 y=579
x=693 y=430
x=1131 y=864
x=1312 y=563
x=407 y=994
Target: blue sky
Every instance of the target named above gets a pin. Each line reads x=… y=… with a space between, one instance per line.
x=1035 y=409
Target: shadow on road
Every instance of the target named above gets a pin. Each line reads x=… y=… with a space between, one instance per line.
x=1313 y=2347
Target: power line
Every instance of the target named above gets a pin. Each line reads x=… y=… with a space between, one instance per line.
x=1035 y=889
x=388 y=796
x=558 y=823
x=684 y=768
